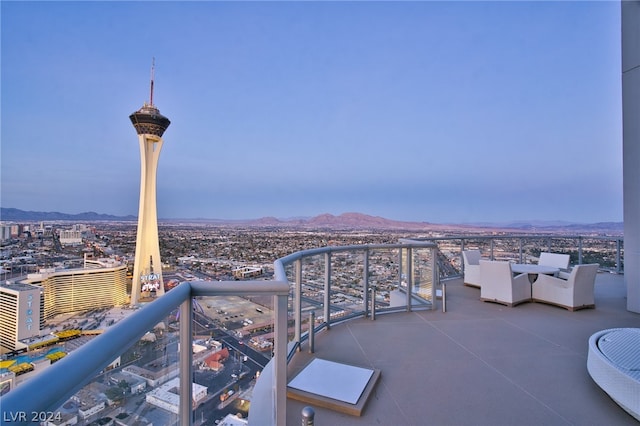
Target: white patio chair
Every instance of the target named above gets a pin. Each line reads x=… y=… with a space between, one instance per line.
x=557 y=260
x=471 y=267
x=499 y=285
x=574 y=293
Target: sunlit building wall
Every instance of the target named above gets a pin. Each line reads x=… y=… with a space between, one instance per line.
x=83 y=289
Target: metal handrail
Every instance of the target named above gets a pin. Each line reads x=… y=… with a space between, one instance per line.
x=78 y=368
x=71 y=373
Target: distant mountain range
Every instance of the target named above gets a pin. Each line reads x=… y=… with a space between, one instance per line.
x=9 y=214
x=345 y=221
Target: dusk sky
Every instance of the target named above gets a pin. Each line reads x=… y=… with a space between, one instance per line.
x=444 y=112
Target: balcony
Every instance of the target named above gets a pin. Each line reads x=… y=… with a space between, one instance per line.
x=477 y=363
x=471 y=363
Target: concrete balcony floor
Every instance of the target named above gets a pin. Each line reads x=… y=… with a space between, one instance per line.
x=479 y=363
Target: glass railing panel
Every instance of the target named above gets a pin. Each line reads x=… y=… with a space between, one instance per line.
x=482 y=244
x=506 y=249
x=422 y=270
x=290 y=272
x=313 y=290
x=233 y=342
x=566 y=245
x=531 y=248
x=236 y=320
x=417 y=274
x=346 y=295
x=553 y=244
x=384 y=276
x=450 y=258
x=141 y=384
x=607 y=251
x=601 y=251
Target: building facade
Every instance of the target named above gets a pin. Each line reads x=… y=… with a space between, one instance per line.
x=70 y=236
x=83 y=289
x=21 y=314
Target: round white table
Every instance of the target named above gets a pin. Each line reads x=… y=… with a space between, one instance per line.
x=533 y=270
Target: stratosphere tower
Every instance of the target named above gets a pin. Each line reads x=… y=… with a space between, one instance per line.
x=147 y=271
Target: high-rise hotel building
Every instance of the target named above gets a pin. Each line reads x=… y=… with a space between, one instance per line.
x=102 y=284
x=147 y=270
x=26 y=305
x=21 y=314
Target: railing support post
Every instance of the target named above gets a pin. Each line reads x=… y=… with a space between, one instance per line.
x=186 y=362
x=327 y=289
x=312 y=331
x=280 y=362
x=435 y=277
x=298 y=303
x=618 y=256
x=444 y=297
x=519 y=250
x=400 y=266
x=373 y=303
x=365 y=282
x=409 y=277
x=579 y=250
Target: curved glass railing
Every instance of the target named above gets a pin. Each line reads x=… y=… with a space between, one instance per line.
x=334 y=284
x=607 y=251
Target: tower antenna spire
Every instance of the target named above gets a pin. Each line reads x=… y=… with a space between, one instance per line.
x=153 y=67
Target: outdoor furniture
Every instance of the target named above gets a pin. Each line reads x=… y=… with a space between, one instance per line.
x=471 y=267
x=573 y=293
x=499 y=285
x=613 y=364
x=558 y=260
x=533 y=270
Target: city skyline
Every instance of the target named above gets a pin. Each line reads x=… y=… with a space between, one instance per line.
x=445 y=112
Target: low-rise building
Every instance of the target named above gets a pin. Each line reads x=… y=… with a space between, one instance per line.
x=247 y=272
x=136 y=384
x=233 y=420
x=167 y=396
x=153 y=377
x=89 y=402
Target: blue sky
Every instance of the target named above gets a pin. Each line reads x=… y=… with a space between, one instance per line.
x=446 y=112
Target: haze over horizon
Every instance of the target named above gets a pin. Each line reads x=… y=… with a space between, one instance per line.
x=441 y=112
x=356 y=219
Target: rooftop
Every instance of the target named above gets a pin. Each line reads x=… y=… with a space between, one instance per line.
x=15 y=286
x=478 y=363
